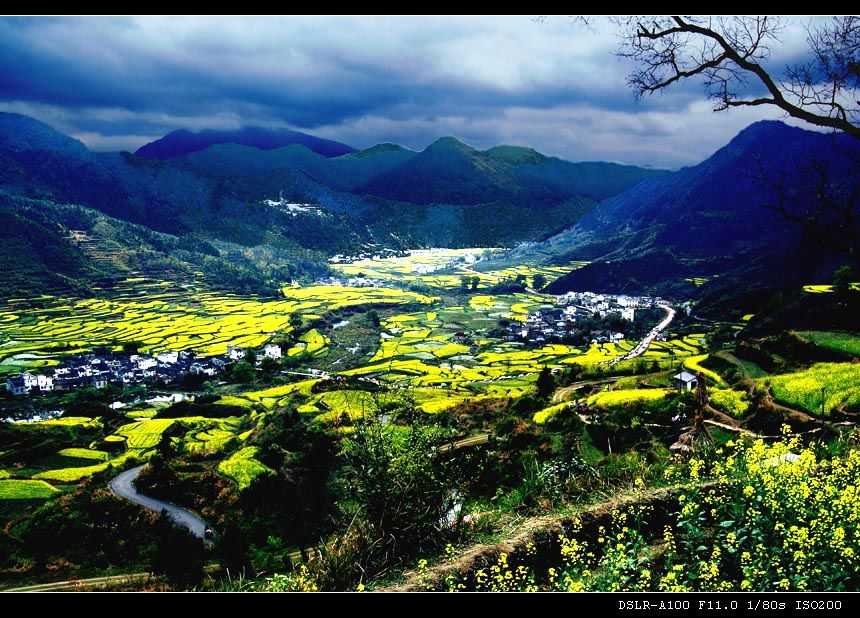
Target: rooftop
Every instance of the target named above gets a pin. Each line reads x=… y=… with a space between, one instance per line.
x=684 y=376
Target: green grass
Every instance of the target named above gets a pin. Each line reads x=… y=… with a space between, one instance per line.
x=748 y=368
x=803 y=389
x=846 y=343
x=242 y=467
x=14 y=489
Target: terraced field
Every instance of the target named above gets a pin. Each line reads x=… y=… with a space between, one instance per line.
x=438 y=353
x=826 y=288
x=444 y=268
x=14 y=489
x=204 y=322
x=831 y=386
x=242 y=467
x=846 y=343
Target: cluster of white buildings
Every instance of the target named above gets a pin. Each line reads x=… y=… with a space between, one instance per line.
x=604 y=304
x=97 y=371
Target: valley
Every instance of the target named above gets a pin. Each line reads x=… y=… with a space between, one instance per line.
x=469 y=353
x=423 y=303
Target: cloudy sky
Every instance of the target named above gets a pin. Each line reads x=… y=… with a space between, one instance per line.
x=117 y=83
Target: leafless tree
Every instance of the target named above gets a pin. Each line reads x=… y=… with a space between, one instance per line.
x=728 y=55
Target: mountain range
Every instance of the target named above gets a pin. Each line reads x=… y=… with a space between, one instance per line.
x=230 y=204
x=279 y=190
x=183 y=142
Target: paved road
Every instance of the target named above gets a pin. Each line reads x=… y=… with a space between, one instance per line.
x=652 y=334
x=123 y=486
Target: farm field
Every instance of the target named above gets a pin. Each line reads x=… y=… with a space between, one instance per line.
x=439 y=352
x=846 y=343
x=203 y=322
x=443 y=353
x=444 y=268
x=826 y=288
x=827 y=386
x=456 y=355
x=14 y=489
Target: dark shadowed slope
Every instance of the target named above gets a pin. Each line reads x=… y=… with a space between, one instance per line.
x=709 y=219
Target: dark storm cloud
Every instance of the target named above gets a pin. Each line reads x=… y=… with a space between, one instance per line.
x=117 y=82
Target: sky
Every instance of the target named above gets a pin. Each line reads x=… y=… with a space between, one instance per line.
x=117 y=83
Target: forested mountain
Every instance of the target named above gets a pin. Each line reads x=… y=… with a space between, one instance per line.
x=718 y=219
x=290 y=192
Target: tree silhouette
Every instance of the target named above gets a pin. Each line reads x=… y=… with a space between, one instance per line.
x=545 y=383
x=728 y=54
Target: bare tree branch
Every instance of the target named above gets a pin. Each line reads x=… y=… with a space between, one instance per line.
x=728 y=54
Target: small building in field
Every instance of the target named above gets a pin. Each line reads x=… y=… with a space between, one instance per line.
x=17 y=385
x=685 y=381
x=272 y=351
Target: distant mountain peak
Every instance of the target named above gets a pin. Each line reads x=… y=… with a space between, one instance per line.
x=520 y=155
x=374 y=150
x=26 y=133
x=184 y=141
x=450 y=144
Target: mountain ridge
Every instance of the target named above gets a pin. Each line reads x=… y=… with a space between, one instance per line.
x=185 y=141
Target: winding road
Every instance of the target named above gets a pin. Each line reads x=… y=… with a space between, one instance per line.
x=123 y=486
x=646 y=341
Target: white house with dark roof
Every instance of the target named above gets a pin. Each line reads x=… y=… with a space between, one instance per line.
x=685 y=381
x=272 y=351
x=22 y=384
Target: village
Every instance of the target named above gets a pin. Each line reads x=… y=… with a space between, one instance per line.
x=97 y=370
x=582 y=318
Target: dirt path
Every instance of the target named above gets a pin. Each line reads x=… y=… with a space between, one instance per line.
x=564 y=393
x=82 y=584
x=543 y=532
